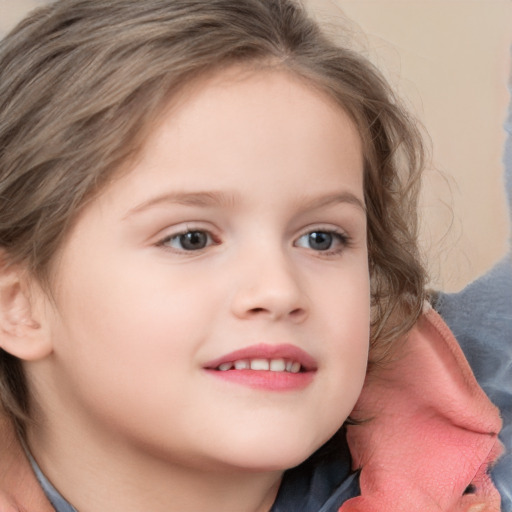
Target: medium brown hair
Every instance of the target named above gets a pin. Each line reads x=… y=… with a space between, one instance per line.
x=83 y=81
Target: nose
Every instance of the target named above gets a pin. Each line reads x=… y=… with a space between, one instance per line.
x=269 y=287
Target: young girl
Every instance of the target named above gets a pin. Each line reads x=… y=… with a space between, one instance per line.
x=208 y=228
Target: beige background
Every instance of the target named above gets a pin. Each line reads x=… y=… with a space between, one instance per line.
x=449 y=59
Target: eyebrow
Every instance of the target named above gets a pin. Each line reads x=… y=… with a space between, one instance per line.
x=333 y=199
x=219 y=198
x=200 y=199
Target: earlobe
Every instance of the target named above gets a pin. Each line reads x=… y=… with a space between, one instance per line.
x=22 y=330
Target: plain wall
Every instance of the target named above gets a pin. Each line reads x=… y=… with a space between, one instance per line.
x=449 y=59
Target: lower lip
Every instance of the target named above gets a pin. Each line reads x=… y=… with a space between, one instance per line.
x=266 y=380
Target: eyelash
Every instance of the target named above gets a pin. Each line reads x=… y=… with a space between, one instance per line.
x=341 y=240
x=166 y=242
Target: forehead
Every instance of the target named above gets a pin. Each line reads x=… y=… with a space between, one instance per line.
x=258 y=133
x=270 y=113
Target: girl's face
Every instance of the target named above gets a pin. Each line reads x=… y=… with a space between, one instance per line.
x=212 y=305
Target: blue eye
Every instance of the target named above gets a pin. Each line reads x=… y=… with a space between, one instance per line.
x=322 y=241
x=189 y=241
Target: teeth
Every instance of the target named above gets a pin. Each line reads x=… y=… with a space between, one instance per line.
x=260 y=364
x=295 y=368
x=277 y=365
x=292 y=367
x=274 y=365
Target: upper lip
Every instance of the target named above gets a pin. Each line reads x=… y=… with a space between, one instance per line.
x=265 y=351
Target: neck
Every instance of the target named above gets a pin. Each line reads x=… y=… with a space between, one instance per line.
x=95 y=477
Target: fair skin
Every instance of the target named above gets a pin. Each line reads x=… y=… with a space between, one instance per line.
x=140 y=404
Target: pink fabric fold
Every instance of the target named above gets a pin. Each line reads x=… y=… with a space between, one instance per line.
x=431 y=432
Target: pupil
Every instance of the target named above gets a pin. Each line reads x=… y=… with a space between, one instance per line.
x=320 y=241
x=193 y=240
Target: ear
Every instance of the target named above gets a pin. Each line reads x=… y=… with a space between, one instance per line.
x=22 y=324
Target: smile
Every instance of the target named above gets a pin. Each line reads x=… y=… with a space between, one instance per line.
x=266 y=367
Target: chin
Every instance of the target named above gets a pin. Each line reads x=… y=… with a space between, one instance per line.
x=271 y=455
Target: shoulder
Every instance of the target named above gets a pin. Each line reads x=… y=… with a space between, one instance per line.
x=480 y=317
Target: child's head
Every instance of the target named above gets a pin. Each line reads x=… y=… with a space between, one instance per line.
x=99 y=101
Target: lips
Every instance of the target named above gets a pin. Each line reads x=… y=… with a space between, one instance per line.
x=271 y=367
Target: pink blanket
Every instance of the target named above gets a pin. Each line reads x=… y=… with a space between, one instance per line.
x=431 y=432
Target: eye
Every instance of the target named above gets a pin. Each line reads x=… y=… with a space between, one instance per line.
x=193 y=240
x=323 y=241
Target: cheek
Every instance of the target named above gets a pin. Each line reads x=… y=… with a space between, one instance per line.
x=347 y=302
x=144 y=320
x=347 y=320
x=124 y=342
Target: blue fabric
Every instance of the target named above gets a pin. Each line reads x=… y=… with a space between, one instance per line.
x=310 y=492
x=319 y=484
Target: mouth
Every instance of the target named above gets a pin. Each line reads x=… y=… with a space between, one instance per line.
x=261 y=365
x=269 y=367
